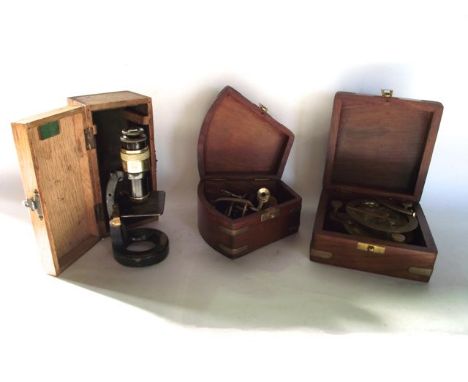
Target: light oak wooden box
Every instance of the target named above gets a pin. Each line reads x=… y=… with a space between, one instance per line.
x=65 y=157
x=379 y=146
x=241 y=148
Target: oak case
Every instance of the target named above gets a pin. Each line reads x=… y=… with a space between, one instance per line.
x=241 y=148
x=65 y=158
x=379 y=146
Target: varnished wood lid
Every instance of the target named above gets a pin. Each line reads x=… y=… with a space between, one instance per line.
x=381 y=145
x=56 y=172
x=239 y=138
x=110 y=100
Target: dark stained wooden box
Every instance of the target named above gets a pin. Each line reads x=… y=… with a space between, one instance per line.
x=241 y=148
x=65 y=158
x=378 y=147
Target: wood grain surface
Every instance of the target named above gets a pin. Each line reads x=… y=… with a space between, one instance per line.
x=111 y=100
x=378 y=147
x=241 y=149
x=239 y=137
x=58 y=168
x=70 y=177
x=381 y=145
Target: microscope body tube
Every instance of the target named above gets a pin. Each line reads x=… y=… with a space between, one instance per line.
x=135 y=157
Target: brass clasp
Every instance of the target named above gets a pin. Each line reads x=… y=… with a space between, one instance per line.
x=371 y=249
x=387 y=93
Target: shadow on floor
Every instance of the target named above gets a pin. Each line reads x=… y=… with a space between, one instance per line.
x=274 y=287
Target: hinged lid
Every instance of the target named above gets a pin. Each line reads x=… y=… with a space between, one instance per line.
x=239 y=138
x=380 y=144
x=111 y=100
x=58 y=184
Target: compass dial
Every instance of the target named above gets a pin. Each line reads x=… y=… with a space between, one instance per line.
x=377 y=216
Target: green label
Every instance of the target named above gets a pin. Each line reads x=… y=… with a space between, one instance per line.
x=49 y=130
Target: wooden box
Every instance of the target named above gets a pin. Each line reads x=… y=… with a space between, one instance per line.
x=241 y=149
x=380 y=147
x=65 y=157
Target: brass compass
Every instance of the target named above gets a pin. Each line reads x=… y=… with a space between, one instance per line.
x=377 y=218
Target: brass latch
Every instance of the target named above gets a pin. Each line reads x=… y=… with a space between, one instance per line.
x=387 y=93
x=34 y=204
x=263 y=108
x=371 y=249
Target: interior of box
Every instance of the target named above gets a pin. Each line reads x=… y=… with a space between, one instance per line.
x=109 y=125
x=239 y=138
x=213 y=189
x=380 y=145
x=416 y=237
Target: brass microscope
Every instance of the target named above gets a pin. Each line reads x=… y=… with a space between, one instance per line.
x=129 y=198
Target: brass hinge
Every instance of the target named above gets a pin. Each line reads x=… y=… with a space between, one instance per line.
x=99 y=212
x=90 y=138
x=233 y=232
x=34 y=204
x=420 y=271
x=321 y=254
x=263 y=108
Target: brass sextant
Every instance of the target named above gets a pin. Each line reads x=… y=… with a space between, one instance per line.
x=235 y=205
x=378 y=218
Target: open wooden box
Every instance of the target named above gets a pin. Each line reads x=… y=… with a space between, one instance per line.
x=379 y=146
x=66 y=157
x=241 y=149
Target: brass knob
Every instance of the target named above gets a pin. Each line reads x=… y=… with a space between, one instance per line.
x=263 y=196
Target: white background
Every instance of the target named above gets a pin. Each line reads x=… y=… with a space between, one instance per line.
x=272 y=314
